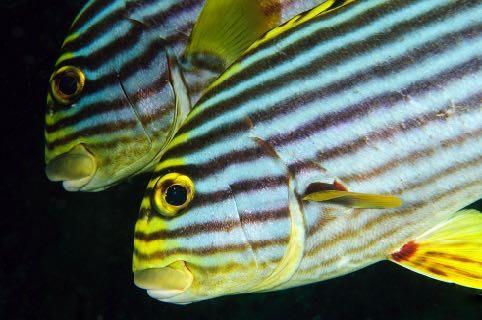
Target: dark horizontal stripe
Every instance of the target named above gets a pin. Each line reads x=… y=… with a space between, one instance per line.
x=156 y=50
x=160 y=18
x=293 y=103
x=326 y=121
x=299 y=48
x=117 y=47
x=126 y=42
x=397 y=228
x=366 y=246
x=396 y=214
x=117 y=104
x=201 y=199
x=421 y=183
x=200 y=171
x=259 y=217
x=128 y=138
x=405 y=126
x=92 y=131
x=328 y=215
x=93 y=32
x=113 y=19
x=439 y=175
x=205 y=251
x=211 y=226
x=411 y=157
x=258 y=184
x=187 y=231
x=87 y=112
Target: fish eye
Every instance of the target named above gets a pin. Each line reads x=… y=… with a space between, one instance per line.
x=172 y=193
x=66 y=84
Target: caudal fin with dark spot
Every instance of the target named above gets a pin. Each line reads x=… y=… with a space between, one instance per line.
x=451 y=251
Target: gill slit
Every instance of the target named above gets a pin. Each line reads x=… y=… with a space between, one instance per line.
x=293 y=255
x=133 y=109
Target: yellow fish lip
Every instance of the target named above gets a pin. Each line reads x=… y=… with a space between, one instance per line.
x=74 y=168
x=166 y=282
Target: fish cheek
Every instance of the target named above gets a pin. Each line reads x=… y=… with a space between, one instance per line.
x=147 y=87
x=118 y=143
x=227 y=264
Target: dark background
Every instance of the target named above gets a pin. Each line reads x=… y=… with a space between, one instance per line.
x=68 y=255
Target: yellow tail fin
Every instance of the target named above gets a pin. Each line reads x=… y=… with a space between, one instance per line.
x=451 y=251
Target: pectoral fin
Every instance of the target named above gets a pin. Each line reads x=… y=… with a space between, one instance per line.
x=354 y=199
x=225 y=29
x=450 y=252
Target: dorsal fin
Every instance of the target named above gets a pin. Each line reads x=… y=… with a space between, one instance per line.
x=225 y=29
x=325 y=7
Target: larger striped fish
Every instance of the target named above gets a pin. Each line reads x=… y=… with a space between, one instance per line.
x=118 y=94
x=293 y=166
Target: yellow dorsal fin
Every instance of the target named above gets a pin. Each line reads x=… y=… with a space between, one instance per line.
x=325 y=7
x=354 y=199
x=451 y=251
x=225 y=29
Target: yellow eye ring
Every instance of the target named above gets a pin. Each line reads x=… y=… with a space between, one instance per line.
x=172 y=193
x=66 y=84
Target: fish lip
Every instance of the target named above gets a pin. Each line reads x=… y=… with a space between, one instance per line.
x=74 y=168
x=165 y=282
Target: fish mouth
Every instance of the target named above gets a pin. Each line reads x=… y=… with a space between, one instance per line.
x=74 y=168
x=164 y=283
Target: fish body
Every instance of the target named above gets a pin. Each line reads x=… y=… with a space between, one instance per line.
x=118 y=92
x=379 y=97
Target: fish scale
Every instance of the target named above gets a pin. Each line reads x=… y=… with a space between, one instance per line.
x=399 y=115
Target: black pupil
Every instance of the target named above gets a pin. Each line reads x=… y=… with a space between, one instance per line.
x=67 y=85
x=176 y=195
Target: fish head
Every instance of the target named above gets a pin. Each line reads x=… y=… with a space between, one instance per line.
x=111 y=103
x=212 y=224
x=192 y=242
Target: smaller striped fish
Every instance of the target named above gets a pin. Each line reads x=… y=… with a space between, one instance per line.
x=118 y=93
x=340 y=139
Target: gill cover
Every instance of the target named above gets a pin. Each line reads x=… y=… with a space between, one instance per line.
x=156 y=90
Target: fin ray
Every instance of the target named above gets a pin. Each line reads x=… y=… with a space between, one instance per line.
x=450 y=252
x=215 y=43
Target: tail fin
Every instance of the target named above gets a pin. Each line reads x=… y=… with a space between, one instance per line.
x=451 y=251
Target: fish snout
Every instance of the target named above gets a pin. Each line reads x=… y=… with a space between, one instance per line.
x=166 y=282
x=74 y=168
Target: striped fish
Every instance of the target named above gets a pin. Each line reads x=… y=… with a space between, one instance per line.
x=118 y=92
x=286 y=171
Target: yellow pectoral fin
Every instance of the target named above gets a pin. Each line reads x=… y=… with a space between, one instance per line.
x=450 y=252
x=225 y=29
x=355 y=200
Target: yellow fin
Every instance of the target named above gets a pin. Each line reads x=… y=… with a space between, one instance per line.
x=324 y=8
x=450 y=252
x=354 y=199
x=225 y=29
